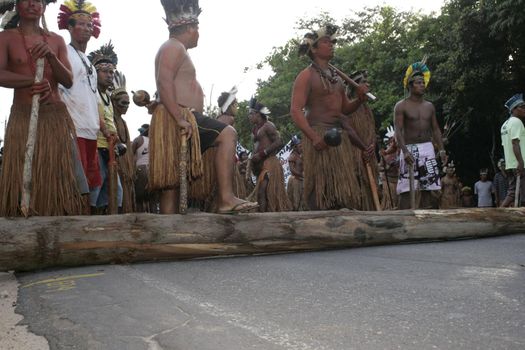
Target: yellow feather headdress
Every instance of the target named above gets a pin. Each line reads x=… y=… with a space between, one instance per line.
x=417 y=69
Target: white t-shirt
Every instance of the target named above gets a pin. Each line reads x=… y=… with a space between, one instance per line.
x=512 y=129
x=142 y=153
x=81 y=98
x=484 y=192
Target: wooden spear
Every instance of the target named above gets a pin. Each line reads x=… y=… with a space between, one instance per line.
x=373 y=186
x=183 y=173
x=411 y=184
x=30 y=144
x=351 y=81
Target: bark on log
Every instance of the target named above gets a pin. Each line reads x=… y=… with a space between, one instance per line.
x=42 y=242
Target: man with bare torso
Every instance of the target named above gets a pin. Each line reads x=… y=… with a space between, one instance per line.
x=416 y=132
x=228 y=108
x=270 y=189
x=54 y=189
x=450 y=189
x=181 y=106
x=319 y=102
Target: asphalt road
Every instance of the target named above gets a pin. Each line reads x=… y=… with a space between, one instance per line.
x=453 y=295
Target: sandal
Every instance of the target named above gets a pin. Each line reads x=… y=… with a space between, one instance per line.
x=240 y=208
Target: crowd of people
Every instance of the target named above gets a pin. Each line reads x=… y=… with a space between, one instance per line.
x=84 y=161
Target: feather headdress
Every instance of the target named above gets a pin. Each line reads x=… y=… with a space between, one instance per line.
x=226 y=99
x=417 y=69
x=9 y=18
x=119 y=84
x=310 y=39
x=390 y=132
x=103 y=57
x=77 y=8
x=181 y=12
x=258 y=107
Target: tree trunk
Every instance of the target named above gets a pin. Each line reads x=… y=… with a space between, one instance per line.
x=42 y=242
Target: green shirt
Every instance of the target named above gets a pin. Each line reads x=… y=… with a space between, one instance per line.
x=512 y=129
x=106 y=112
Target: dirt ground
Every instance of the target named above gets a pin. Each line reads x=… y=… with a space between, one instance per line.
x=12 y=335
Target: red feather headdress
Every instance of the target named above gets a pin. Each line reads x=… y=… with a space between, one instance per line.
x=76 y=8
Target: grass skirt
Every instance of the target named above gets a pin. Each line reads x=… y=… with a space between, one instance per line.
x=330 y=178
x=239 y=184
x=295 y=190
x=54 y=188
x=164 y=148
x=277 y=199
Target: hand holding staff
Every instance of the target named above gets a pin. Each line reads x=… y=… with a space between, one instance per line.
x=183 y=173
x=351 y=81
x=30 y=144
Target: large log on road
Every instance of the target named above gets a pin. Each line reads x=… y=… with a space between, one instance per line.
x=41 y=242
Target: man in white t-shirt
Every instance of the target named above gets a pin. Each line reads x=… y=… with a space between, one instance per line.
x=483 y=190
x=513 y=141
x=81 y=99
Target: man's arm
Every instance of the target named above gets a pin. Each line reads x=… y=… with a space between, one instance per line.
x=275 y=145
x=170 y=58
x=517 y=152
x=275 y=138
x=437 y=137
x=399 y=123
x=292 y=162
x=495 y=186
x=139 y=141
x=58 y=61
x=300 y=91
x=368 y=150
x=350 y=106
x=354 y=138
x=61 y=66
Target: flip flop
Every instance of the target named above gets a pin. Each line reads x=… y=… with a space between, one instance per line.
x=240 y=208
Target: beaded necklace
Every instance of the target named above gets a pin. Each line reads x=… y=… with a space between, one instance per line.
x=89 y=70
x=102 y=97
x=332 y=79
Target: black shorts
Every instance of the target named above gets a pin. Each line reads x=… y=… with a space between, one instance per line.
x=209 y=130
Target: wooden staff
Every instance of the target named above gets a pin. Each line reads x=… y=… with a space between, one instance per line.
x=113 y=177
x=386 y=180
x=411 y=184
x=373 y=186
x=518 y=185
x=183 y=172
x=30 y=144
x=351 y=81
